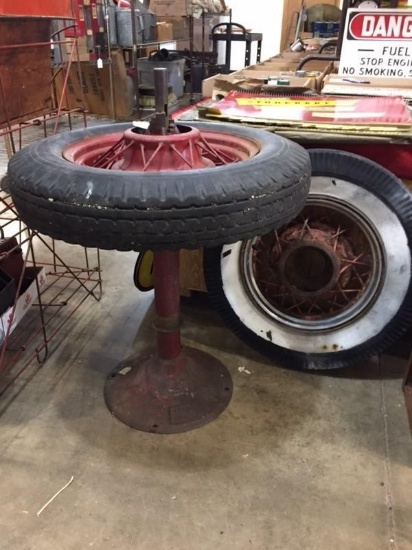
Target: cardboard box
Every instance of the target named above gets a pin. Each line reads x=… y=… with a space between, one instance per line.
x=169 y=7
x=164 y=31
x=91 y=88
x=191 y=271
x=180 y=27
x=313 y=43
x=305 y=83
x=147 y=50
x=221 y=84
x=12 y=316
x=315 y=65
x=337 y=85
x=292 y=56
x=82 y=53
x=284 y=64
x=209 y=84
x=272 y=66
x=281 y=64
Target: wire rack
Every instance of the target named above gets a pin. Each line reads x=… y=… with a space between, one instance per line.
x=51 y=287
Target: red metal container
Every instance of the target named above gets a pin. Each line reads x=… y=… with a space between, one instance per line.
x=37 y=8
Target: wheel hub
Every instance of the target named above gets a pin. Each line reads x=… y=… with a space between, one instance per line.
x=309 y=268
x=318 y=268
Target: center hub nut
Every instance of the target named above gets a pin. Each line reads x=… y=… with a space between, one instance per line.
x=309 y=268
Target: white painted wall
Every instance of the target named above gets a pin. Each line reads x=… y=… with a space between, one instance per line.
x=263 y=16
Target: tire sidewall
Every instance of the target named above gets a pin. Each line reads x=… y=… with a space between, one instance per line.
x=121 y=210
x=67 y=183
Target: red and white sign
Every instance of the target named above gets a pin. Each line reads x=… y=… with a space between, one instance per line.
x=378 y=44
x=378 y=26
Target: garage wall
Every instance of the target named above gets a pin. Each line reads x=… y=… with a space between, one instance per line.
x=273 y=18
x=263 y=16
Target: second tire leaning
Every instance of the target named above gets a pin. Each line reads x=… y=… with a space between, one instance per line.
x=333 y=287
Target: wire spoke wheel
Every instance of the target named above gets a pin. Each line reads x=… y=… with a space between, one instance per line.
x=320 y=271
x=333 y=286
x=117 y=188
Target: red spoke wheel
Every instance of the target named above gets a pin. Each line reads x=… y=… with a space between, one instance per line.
x=333 y=286
x=321 y=269
x=112 y=187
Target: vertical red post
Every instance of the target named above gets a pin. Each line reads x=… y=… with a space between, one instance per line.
x=167 y=303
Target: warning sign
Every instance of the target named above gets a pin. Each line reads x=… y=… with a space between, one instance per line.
x=377 y=43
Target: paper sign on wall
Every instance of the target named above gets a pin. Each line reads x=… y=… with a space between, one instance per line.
x=378 y=44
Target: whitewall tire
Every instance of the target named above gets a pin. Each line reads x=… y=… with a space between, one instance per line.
x=333 y=286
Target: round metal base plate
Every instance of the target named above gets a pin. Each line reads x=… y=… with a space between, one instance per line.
x=168 y=397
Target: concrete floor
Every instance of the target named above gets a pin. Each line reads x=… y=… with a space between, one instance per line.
x=296 y=462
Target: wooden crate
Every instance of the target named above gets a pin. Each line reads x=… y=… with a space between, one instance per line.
x=191 y=272
x=91 y=88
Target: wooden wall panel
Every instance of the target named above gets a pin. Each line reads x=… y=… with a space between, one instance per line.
x=25 y=72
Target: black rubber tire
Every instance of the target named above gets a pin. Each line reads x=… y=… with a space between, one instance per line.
x=114 y=209
x=397 y=198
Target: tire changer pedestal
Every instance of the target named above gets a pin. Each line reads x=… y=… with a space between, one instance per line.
x=177 y=388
